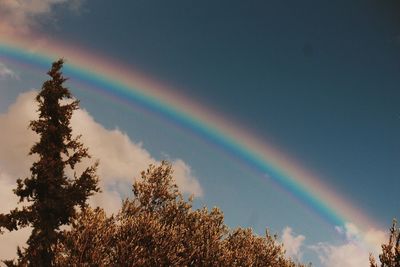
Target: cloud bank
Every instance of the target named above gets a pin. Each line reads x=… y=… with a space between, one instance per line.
x=121 y=161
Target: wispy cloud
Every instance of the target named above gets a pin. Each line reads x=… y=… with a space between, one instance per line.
x=22 y=16
x=121 y=160
x=6 y=72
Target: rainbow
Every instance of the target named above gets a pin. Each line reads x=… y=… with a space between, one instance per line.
x=133 y=88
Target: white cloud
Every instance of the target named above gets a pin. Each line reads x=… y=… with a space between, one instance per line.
x=349 y=255
x=292 y=243
x=121 y=160
x=355 y=251
x=21 y=16
x=16 y=139
x=7 y=198
x=185 y=179
x=9 y=240
x=6 y=72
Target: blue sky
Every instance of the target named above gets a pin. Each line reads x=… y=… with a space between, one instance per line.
x=319 y=80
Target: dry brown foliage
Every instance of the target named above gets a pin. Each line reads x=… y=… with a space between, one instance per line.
x=158 y=228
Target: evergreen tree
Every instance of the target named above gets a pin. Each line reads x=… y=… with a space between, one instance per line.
x=49 y=195
x=390 y=256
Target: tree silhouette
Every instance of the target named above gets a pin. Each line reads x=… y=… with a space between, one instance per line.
x=49 y=196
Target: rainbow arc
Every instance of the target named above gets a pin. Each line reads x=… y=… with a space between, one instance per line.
x=127 y=86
